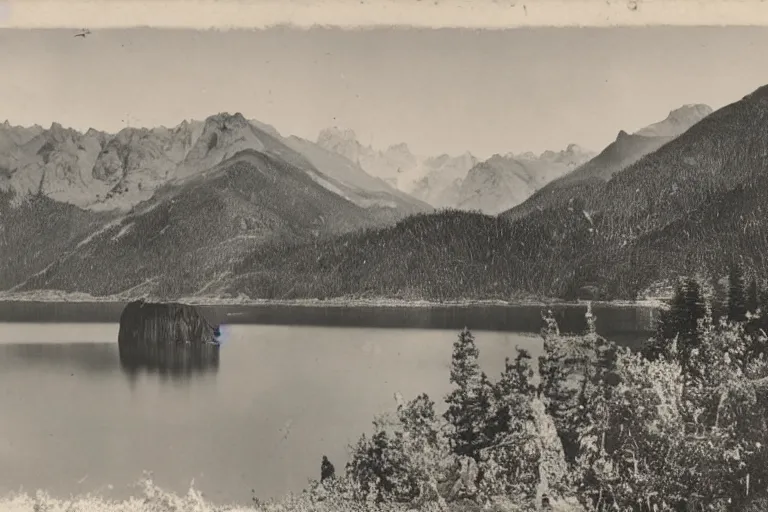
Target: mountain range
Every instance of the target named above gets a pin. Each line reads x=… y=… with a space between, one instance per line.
x=623 y=152
x=462 y=182
x=501 y=182
x=242 y=210
x=689 y=202
x=140 y=209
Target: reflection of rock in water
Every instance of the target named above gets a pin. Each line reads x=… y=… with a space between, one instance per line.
x=170 y=339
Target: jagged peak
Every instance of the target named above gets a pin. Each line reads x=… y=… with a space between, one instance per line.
x=58 y=133
x=225 y=118
x=622 y=135
x=224 y=122
x=497 y=157
x=548 y=154
x=334 y=132
x=691 y=109
x=400 y=147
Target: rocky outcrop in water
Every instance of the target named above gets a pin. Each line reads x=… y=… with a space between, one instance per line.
x=172 y=337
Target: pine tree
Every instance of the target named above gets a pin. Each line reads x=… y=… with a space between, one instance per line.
x=510 y=465
x=554 y=373
x=667 y=326
x=327 y=471
x=737 y=303
x=680 y=322
x=470 y=401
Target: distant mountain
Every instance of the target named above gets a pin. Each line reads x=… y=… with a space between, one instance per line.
x=694 y=205
x=426 y=178
x=351 y=181
x=62 y=192
x=440 y=185
x=463 y=181
x=677 y=121
x=623 y=152
x=502 y=182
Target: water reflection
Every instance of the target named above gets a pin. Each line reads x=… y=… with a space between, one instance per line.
x=168 y=339
x=79 y=358
x=176 y=360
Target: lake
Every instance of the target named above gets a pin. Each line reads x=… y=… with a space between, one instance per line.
x=278 y=399
x=612 y=319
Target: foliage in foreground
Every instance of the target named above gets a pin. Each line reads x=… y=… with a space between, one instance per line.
x=679 y=427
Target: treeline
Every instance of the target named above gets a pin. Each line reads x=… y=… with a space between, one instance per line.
x=442 y=256
x=678 y=426
x=564 y=252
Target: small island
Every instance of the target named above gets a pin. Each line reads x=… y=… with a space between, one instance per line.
x=166 y=337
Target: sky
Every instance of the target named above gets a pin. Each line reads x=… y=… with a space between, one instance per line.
x=438 y=90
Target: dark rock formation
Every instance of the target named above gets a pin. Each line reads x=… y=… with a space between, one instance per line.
x=167 y=338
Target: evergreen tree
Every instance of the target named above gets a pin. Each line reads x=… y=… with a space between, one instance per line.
x=513 y=389
x=327 y=471
x=470 y=401
x=555 y=370
x=510 y=464
x=737 y=303
x=667 y=327
x=680 y=322
x=379 y=467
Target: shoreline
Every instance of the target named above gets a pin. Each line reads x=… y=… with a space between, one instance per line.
x=55 y=297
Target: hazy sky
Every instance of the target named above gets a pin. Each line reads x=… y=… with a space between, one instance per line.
x=445 y=90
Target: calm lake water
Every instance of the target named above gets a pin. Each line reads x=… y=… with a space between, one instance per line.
x=73 y=421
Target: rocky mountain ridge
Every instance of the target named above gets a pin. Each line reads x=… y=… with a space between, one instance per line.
x=624 y=151
x=99 y=171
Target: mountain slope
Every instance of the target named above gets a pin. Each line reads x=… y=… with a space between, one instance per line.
x=623 y=152
x=353 y=182
x=193 y=230
x=695 y=204
x=37 y=232
x=502 y=182
x=677 y=121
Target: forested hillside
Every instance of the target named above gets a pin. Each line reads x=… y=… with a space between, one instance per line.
x=694 y=203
